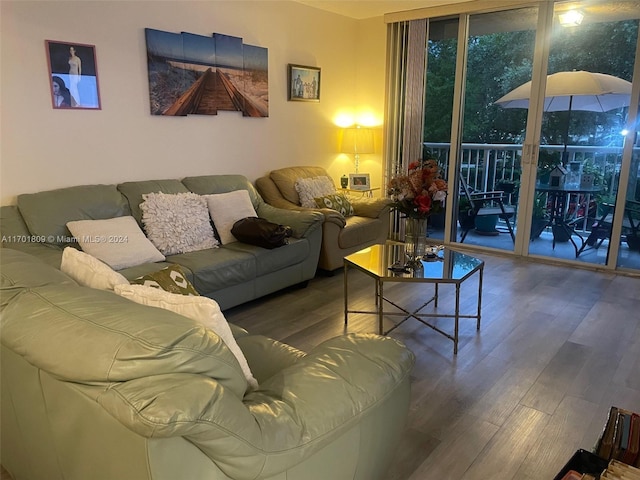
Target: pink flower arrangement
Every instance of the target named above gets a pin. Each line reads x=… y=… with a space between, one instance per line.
x=421 y=192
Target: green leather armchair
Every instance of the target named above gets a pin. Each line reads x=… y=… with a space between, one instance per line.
x=341 y=236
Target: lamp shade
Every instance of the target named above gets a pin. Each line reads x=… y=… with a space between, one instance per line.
x=357 y=140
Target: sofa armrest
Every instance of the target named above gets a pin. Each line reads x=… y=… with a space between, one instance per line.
x=266 y=357
x=303 y=221
x=370 y=207
x=294 y=414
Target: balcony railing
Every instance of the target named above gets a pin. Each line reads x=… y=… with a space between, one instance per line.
x=485 y=165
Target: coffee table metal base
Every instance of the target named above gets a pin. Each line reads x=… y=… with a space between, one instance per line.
x=417 y=314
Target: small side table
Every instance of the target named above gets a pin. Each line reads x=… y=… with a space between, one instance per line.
x=365 y=193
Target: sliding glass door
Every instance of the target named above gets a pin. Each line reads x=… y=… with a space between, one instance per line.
x=499 y=52
x=535 y=155
x=585 y=113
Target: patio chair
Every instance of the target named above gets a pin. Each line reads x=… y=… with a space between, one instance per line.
x=483 y=204
x=601 y=228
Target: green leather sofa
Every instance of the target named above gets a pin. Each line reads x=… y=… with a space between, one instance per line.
x=97 y=387
x=232 y=274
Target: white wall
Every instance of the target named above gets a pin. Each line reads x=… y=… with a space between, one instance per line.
x=42 y=148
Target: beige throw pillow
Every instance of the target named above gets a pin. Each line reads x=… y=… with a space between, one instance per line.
x=119 y=242
x=226 y=209
x=201 y=309
x=88 y=271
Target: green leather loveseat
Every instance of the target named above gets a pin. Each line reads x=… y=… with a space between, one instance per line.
x=97 y=387
x=232 y=274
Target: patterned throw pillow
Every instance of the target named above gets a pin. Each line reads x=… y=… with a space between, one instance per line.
x=171 y=279
x=336 y=202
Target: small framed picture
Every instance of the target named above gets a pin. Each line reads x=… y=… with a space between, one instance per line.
x=359 y=181
x=304 y=83
x=73 y=75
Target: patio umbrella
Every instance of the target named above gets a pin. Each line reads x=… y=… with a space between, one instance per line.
x=576 y=90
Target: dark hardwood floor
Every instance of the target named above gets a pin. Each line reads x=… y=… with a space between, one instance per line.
x=557 y=347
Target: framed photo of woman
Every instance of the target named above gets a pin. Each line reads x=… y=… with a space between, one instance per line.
x=73 y=75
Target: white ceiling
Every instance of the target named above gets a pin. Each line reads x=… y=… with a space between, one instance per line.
x=601 y=10
x=360 y=9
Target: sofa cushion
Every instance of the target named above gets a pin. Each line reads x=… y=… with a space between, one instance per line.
x=217 y=268
x=285 y=179
x=226 y=209
x=200 y=309
x=12 y=226
x=118 y=242
x=359 y=231
x=170 y=279
x=337 y=202
x=47 y=213
x=269 y=261
x=16 y=235
x=89 y=271
x=177 y=223
x=209 y=184
x=133 y=192
x=311 y=188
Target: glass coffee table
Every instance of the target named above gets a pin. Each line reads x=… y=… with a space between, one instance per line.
x=385 y=263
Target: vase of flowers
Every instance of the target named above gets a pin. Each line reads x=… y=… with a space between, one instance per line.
x=415 y=239
x=417 y=195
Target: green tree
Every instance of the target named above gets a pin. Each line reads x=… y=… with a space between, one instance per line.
x=499 y=62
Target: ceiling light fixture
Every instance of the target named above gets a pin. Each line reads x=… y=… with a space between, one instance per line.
x=572 y=18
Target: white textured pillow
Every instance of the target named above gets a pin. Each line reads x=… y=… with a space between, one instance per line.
x=118 y=242
x=201 y=309
x=89 y=271
x=311 y=188
x=226 y=209
x=177 y=223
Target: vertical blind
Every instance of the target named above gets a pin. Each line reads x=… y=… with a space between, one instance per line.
x=406 y=67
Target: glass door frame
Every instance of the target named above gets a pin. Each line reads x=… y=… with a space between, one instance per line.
x=531 y=146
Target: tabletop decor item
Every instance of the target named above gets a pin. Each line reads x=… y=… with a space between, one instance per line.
x=417 y=195
x=360 y=181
